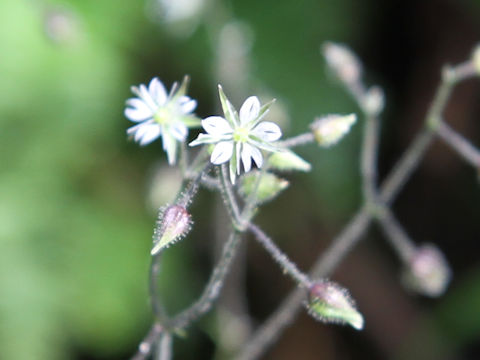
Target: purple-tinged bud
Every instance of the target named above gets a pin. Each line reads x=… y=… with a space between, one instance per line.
x=330 y=303
x=428 y=272
x=173 y=224
x=343 y=62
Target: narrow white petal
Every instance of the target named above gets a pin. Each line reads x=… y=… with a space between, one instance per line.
x=222 y=152
x=157 y=91
x=142 y=129
x=137 y=110
x=147 y=98
x=216 y=126
x=267 y=131
x=187 y=105
x=238 y=149
x=203 y=139
x=179 y=131
x=148 y=134
x=246 y=157
x=132 y=130
x=254 y=153
x=249 y=110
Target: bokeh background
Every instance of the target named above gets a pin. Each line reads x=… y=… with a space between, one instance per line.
x=78 y=200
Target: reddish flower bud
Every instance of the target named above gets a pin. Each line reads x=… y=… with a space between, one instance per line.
x=173 y=224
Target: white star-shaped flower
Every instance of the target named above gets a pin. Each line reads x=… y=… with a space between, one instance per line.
x=239 y=138
x=161 y=114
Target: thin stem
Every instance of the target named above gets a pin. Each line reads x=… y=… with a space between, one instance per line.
x=248 y=210
x=369 y=159
x=287 y=265
x=156 y=303
x=286 y=313
x=146 y=346
x=229 y=197
x=413 y=155
x=164 y=348
x=395 y=233
x=465 y=149
x=302 y=139
x=184 y=198
x=183 y=162
x=404 y=167
x=212 y=290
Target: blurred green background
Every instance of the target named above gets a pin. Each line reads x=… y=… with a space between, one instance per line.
x=77 y=199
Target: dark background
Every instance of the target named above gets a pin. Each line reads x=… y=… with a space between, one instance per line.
x=77 y=200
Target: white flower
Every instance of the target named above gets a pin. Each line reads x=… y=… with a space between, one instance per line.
x=238 y=138
x=159 y=114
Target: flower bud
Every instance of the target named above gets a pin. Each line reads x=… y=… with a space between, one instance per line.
x=428 y=272
x=374 y=100
x=343 y=62
x=476 y=59
x=173 y=224
x=330 y=303
x=269 y=187
x=330 y=129
x=287 y=161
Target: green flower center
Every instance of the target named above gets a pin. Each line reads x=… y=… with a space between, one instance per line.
x=163 y=116
x=240 y=135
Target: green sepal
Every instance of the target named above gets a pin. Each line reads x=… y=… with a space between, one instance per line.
x=231 y=114
x=347 y=315
x=269 y=187
x=191 y=121
x=288 y=161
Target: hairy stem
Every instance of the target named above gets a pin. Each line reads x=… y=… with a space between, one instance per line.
x=164 y=348
x=156 y=303
x=212 y=290
x=395 y=233
x=465 y=149
x=229 y=197
x=286 y=313
x=302 y=139
x=146 y=346
x=369 y=159
x=287 y=265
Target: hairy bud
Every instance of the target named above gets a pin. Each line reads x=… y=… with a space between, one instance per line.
x=476 y=59
x=287 y=160
x=343 y=62
x=428 y=272
x=330 y=303
x=173 y=224
x=330 y=129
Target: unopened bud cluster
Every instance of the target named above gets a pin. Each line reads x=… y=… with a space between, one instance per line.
x=329 y=130
x=331 y=303
x=428 y=272
x=173 y=224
